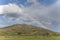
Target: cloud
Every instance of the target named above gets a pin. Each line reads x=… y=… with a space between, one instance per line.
x=13 y=14
x=48 y=16
x=12 y=8
x=37 y=14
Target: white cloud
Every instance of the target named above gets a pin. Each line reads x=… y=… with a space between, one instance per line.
x=12 y=8
x=37 y=14
x=1 y=9
x=46 y=15
x=12 y=12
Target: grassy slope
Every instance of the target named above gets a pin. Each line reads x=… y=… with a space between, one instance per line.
x=25 y=30
x=29 y=38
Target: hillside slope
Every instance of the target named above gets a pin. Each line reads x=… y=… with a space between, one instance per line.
x=25 y=30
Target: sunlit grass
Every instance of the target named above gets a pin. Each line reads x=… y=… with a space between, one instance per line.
x=29 y=38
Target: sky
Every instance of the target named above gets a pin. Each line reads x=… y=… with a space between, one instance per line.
x=40 y=13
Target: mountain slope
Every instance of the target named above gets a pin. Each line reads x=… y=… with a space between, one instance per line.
x=25 y=30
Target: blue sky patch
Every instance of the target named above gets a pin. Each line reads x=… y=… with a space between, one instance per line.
x=18 y=2
x=3 y=2
x=46 y=2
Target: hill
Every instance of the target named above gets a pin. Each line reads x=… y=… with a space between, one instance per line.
x=25 y=30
